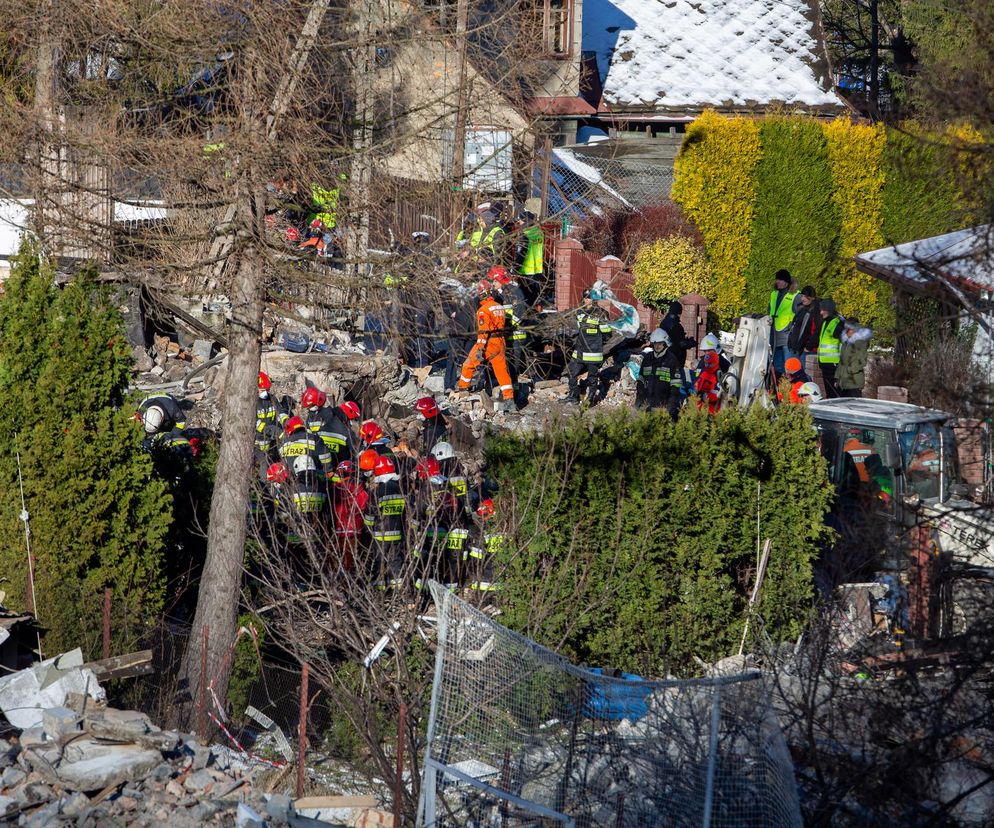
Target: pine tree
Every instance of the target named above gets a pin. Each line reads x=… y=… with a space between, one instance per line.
x=98 y=516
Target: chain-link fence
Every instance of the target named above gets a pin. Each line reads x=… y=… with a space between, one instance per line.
x=581 y=184
x=519 y=736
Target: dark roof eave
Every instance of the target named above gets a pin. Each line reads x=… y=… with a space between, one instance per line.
x=621 y=110
x=929 y=287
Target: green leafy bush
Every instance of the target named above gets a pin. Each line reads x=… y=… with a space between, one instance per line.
x=635 y=538
x=669 y=268
x=98 y=516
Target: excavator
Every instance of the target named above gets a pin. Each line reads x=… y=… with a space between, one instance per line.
x=908 y=531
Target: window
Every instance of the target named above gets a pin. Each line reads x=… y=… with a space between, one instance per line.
x=556 y=32
x=920 y=450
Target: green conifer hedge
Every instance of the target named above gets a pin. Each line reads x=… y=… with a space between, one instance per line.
x=795 y=224
x=813 y=202
x=635 y=538
x=98 y=517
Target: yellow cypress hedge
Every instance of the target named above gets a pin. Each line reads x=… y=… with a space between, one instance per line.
x=715 y=183
x=854 y=154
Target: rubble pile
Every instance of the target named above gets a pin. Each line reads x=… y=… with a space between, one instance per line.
x=77 y=761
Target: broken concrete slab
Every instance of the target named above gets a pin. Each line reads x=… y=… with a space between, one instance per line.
x=89 y=765
x=247 y=817
x=199 y=782
x=59 y=722
x=129 y=726
x=26 y=694
x=202 y=350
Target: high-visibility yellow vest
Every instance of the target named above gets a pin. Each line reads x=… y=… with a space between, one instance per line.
x=326 y=202
x=782 y=313
x=829 y=346
x=535 y=254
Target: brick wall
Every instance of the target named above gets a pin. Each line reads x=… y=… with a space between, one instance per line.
x=577 y=270
x=971 y=443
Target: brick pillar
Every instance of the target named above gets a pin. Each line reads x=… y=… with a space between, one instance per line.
x=892 y=393
x=608 y=269
x=565 y=249
x=970 y=442
x=694 y=320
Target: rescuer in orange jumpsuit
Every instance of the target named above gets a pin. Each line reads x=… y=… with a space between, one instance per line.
x=489 y=348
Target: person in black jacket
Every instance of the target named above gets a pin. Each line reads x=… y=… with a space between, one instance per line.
x=803 y=334
x=660 y=375
x=678 y=336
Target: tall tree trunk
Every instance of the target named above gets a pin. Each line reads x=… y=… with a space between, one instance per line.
x=47 y=187
x=220 y=583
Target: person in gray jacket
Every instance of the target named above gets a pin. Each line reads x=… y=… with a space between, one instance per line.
x=851 y=373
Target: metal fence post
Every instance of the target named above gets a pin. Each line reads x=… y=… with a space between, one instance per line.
x=712 y=755
x=107 y=593
x=398 y=781
x=302 y=729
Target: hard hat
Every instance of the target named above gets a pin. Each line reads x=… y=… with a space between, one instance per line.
x=313 y=397
x=265 y=383
x=810 y=391
x=443 y=451
x=792 y=365
x=304 y=463
x=350 y=410
x=499 y=274
x=370 y=432
x=367 y=460
x=383 y=465
x=709 y=343
x=345 y=468
x=483 y=288
x=152 y=419
x=316 y=223
x=293 y=424
x=277 y=473
x=292 y=234
x=429 y=467
x=659 y=335
x=709 y=359
x=427 y=407
x=486 y=508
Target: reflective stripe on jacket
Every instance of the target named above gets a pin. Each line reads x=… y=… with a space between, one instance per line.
x=829 y=345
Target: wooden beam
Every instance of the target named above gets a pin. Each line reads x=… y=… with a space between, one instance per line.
x=128 y=665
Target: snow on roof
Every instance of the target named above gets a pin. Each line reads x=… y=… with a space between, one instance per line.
x=695 y=53
x=964 y=257
x=15 y=219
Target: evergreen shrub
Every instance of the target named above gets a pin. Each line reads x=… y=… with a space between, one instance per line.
x=635 y=537
x=795 y=222
x=715 y=183
x=98 y=516
x=669 y=268
x=854 y=153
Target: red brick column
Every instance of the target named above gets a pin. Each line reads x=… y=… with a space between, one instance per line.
x=608 y=269
x=565 y=248
x=694 y=320
x=892 y=393
x=970 y=443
